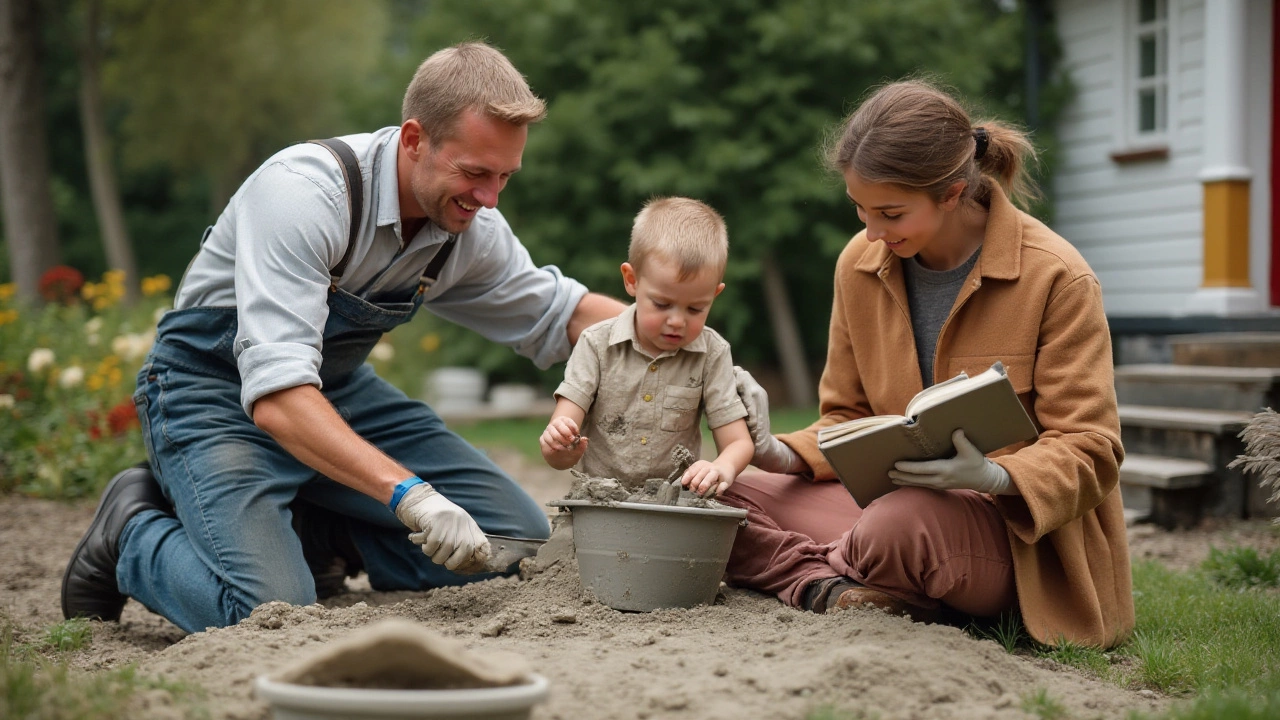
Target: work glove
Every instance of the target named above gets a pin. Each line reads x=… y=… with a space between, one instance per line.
x=445 y=531
x=968 y=470
x=772 y=455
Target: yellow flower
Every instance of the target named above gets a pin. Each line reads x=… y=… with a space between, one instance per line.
x=155 y=285
x=113 y=277
x=89 y=291
x=95 y=382
x=8 y=316
x=7 y=290
x=430 y=342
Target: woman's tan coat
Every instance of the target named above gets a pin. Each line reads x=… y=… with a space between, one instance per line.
x=1032 y=303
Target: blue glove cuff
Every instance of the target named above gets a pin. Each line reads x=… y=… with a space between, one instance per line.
x=403 y=488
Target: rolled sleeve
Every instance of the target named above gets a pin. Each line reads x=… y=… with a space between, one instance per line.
x=582 y=373
x=284 y=249
x=720 y=392
x=503 y=296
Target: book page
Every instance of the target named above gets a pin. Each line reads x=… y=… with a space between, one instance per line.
x=956 y=386
x=848 y=427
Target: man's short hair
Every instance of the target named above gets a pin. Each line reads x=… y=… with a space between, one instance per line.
x=685 y=231
x=468 y=76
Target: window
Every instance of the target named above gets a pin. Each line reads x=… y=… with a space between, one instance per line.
x=1148 y=71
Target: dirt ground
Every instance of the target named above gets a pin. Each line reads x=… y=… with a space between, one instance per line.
x=745 y=657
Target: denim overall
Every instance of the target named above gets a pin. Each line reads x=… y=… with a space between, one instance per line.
x=231 y=546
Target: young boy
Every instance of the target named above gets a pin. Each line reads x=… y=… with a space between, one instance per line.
x=636 y=385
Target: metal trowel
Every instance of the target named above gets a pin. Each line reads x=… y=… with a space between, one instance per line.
x=507 y=551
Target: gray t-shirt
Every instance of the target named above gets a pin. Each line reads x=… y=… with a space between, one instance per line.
x=930 y=295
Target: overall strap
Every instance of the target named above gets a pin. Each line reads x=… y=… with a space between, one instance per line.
x=355 y=199
x=436 y=265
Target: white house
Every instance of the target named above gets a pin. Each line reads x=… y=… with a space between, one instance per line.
x=1169 y=180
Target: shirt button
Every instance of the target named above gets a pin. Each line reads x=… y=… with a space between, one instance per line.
x=644 y=441
x=648 y=397
x=653 y=367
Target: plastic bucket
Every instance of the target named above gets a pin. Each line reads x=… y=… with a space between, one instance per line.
x=642 y=557
x=306 y=702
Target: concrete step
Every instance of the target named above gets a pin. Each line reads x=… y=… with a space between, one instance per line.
x=1217 y=422
x=1166 y=473
x=1167 y=491
x=1209 y=437
x=1244 y=349
x=1198 y=386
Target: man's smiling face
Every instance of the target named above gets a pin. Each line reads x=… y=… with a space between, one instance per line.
x=453 y=179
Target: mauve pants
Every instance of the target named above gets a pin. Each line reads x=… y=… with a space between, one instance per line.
x=927 y=547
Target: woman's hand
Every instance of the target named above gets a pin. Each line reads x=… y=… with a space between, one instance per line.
x=562 y=444
x=772 y=455
x=968 y=470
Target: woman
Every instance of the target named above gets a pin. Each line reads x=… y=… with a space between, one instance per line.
x=949 y=276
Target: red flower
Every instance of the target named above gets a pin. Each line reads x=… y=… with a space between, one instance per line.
x=61 y=283
x=122 y=417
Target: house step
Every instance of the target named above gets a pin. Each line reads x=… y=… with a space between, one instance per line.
x=1217 y=422
x=1244 y=349
x=1165 y=473
x=1167 y=491
x=1198 y=386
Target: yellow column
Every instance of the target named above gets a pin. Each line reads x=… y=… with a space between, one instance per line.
x=1226 y=233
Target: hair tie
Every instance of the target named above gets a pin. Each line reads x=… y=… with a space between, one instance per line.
x=980 y=141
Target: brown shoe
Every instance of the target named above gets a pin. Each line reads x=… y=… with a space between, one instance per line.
x=865 y=597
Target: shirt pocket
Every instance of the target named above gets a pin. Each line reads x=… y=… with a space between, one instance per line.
x=680 y=407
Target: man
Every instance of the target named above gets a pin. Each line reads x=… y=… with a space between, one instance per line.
x=276 y=450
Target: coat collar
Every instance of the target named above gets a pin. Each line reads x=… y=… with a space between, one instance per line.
x=1000 y=258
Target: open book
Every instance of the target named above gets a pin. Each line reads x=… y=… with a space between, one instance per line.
x=863 y=451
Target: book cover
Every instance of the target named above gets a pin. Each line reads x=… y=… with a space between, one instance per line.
x=985 y=406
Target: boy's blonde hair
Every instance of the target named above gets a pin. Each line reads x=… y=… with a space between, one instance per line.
x=682 y=230
x=467 y=76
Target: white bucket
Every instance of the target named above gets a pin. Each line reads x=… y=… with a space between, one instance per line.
x=306 y=702
x=455 y=389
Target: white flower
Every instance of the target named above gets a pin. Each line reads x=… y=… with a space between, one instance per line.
x=39 y=359
x=71 y=376
x=382 y=352
x=132 y=346
x=92 y=339
x=94 y=326
x=6 y=400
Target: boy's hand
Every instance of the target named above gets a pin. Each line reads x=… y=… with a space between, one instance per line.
x=706 y=479
x=561 y=443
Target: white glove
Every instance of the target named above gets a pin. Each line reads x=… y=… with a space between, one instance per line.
x=968 y=470
x=772 y=455
x=445 y=531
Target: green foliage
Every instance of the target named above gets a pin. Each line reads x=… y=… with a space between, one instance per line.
x=67 y=372
x=1006 y=630
x=727 y=102
x=68 y=635
x=832 y=712
x=217 y=87
x=1242 y=568
x=1232 y=703
x=35 y=688
x=1194 y=635
x=1040 y=704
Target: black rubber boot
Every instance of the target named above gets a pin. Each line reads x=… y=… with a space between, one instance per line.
x=330 y=553
x=89 y=587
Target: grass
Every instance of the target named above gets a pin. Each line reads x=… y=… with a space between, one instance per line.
x=36 y=683
x=522 y=433
x=1043 y=706
x=1210 y=636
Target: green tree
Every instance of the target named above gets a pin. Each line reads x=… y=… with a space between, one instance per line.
x=728 y=102
x=214 y=88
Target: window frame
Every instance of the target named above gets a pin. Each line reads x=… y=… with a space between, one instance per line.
x=1161 y=30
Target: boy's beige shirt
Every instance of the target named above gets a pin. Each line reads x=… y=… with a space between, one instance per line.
x=638 y=407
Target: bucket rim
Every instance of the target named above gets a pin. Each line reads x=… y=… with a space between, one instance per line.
x=727 y=512
x=407 y=703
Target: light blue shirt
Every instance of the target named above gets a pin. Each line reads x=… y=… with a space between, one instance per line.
x=270 y=252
